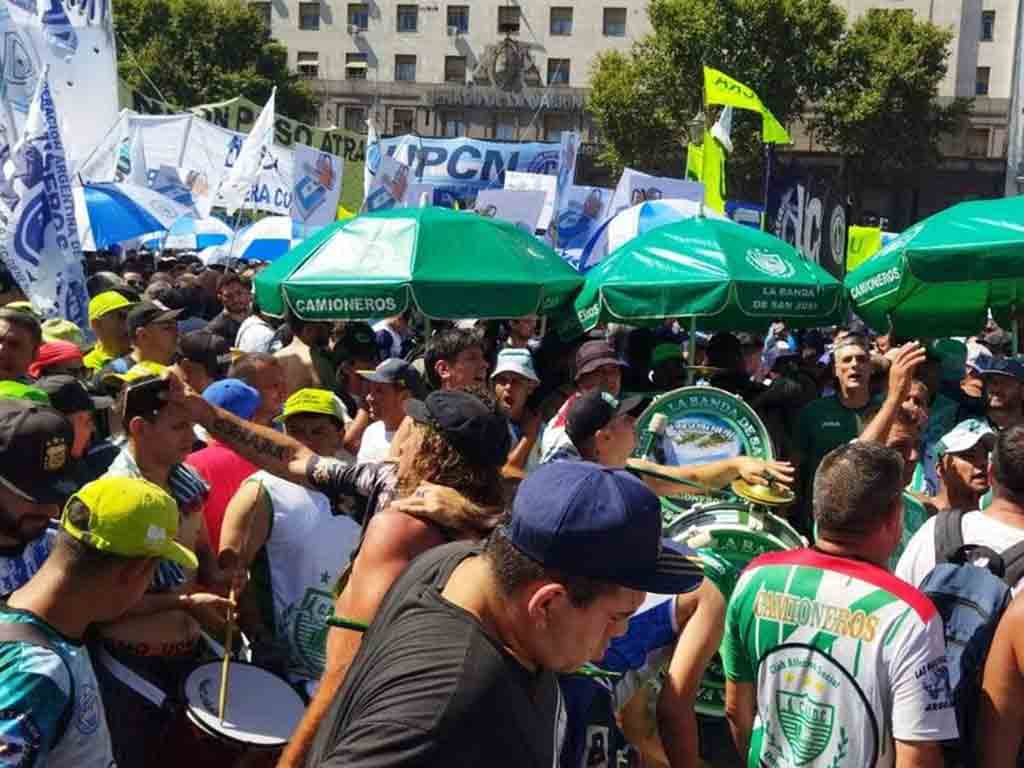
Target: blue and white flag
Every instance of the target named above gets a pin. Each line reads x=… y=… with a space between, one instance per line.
x=570 y=147
x=38 y=235
x=246 y=168
x=373 y=155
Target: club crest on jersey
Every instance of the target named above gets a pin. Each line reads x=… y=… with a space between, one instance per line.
x=806 y=723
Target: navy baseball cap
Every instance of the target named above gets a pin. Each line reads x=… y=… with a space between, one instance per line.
x=1001 y=366
x=602 y=523
x=234 y=396
x=395 y=370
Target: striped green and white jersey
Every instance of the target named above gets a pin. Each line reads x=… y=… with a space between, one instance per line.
x=845 y=658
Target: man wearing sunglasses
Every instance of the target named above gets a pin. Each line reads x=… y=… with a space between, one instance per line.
x=108 y=312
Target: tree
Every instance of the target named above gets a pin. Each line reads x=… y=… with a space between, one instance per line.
x=202 y=51
x=644 y=103
x=881 y=111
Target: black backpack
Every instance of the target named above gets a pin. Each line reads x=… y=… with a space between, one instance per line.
x=970 y=588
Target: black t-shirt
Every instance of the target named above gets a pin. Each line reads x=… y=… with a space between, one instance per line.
x=429 y=687
x=225 y=326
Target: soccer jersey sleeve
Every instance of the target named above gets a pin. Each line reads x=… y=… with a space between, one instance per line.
x=34 y=696
x=922 y=706
x=739 y=667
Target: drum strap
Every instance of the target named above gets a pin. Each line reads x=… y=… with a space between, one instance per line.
x=133 y=680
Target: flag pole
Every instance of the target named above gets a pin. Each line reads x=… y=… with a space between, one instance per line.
x=769 y=161
x=703 y=138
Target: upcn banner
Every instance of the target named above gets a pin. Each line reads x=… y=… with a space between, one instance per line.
x=807 y=209
x=459 y=168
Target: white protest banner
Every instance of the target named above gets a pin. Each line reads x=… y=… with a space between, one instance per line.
x=635 y=187
x=515 y=180
x=519 y=207
x=389 y=187
x=75 y=40
x=200 y=154
x=316 y=187
x=570 y=146
x=245 y=167
x=582 y=211
x=38 y=234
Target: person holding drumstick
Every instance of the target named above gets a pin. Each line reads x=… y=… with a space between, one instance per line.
x=114 y=532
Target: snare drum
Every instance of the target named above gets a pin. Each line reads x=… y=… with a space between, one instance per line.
x=261 y=713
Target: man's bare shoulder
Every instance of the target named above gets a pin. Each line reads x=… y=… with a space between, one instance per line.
x=391 y=534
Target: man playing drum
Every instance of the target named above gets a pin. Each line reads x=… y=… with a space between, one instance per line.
x=113 y=534
x=829 y=658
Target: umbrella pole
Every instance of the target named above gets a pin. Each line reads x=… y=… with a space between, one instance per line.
x=691 y=352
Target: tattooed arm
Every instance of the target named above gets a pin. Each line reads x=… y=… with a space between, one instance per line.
x=266 y=448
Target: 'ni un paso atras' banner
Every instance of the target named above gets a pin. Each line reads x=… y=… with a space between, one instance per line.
x=459 y=168
x=239 y=114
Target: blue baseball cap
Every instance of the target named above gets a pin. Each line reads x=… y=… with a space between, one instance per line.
x=1000 y=366
x=601 y=523
x=234 y=396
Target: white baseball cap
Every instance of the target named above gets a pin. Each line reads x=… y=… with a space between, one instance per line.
x=518 y=361
x=964 y=436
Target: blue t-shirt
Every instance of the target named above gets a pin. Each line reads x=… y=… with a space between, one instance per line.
x=50 y=708
x=17 y=566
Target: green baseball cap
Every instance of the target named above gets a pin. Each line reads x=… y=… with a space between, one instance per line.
x=316 y=401
x=15 y=390
x=104 y=303
x=952 y=356
x=127 y=517
x=59 y=329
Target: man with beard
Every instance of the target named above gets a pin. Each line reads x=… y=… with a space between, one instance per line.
x=1003 y=392
x=236 y=299
x=963 y=465
x=35 y=453
x=304 y=360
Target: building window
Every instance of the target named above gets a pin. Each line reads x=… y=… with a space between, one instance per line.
x=561 y=21
x=988 y=25
x=614 y=22
x=359 y=16
x=403 y=121
x=405 y=69
x=508 y=20
x=307 y=63
x=355 y=119
x=408 y=18
x=355 y=66
x=981 y=81
x=977 y=142
x=455 y=69
x=554 y=125
x=453 y=124
x=505 y=128
x=263 y=11
x=309 y=16
x=558 y=71
x=458 y=18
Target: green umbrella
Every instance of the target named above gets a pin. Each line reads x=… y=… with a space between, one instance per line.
x=721 y=275
x=449 y=264
x=941 y=276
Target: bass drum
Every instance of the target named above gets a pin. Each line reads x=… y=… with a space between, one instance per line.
x=730 y=534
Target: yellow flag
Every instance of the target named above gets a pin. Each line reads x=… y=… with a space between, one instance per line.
x=344 y=213
x=706 y=164
x=861 y=244
x=719 y=88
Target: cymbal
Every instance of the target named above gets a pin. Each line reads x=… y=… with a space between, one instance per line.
x=769 y=495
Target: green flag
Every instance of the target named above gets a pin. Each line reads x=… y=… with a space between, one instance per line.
x=719 y=88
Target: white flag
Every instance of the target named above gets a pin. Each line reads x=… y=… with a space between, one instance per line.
x=373 y=155
x=316 y=187
x=247 y=166
x=38 y=235
x=722 y=129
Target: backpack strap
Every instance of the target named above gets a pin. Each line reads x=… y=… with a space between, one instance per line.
x=21 y=632
x=1013 y=562
x=949 y=536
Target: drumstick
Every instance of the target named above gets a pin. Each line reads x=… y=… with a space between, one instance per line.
x=229 y=631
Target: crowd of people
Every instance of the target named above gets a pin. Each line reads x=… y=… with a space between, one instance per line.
x=441 y=536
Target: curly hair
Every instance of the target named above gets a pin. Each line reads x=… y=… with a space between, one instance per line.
x=437 y=461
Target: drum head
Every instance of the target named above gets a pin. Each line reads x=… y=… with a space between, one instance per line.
x=262 y=709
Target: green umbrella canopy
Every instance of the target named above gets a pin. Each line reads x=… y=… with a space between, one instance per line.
x=724 y=275
x=942 y=275
x=450 y=264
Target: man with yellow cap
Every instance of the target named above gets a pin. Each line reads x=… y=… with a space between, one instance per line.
x=113 y=533
x=108 y=314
